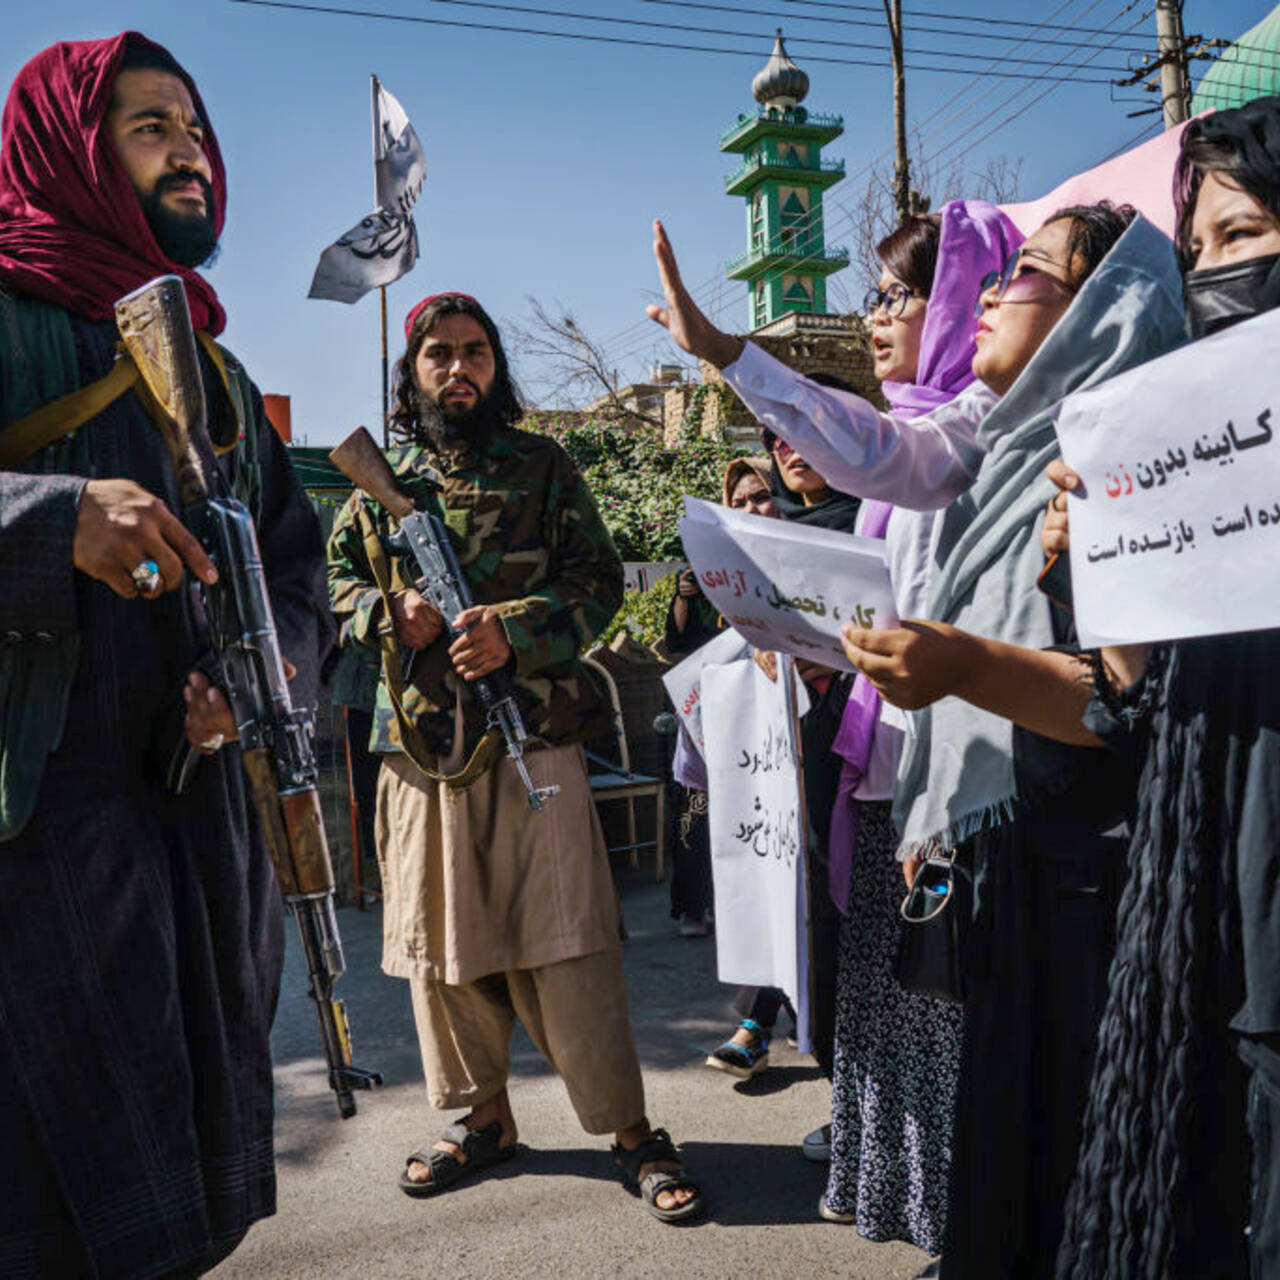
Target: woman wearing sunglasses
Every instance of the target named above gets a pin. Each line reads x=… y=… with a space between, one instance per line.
x=898 y=1051
x=1094 y=292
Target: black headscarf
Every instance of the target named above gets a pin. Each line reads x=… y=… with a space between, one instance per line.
x=836 y=511
x=1163 y=1175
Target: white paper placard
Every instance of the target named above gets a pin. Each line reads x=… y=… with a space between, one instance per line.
x=684 y=681
x=1177 y=533
x=788 y=587
x=757 y=827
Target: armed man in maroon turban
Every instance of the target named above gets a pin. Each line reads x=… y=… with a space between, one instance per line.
x=140 y=930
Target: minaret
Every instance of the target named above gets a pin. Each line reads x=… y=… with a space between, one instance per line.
x=782 y=178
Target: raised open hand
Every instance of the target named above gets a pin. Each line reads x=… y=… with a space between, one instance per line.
x=681 y=317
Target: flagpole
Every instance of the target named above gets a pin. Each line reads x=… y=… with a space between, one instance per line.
x=382 y=289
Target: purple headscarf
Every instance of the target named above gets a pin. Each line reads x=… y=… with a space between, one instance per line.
x=975 y=238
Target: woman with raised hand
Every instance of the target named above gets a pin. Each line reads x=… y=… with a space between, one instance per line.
x=1091 y=293
x=898 y=1052
x=1179 y=1171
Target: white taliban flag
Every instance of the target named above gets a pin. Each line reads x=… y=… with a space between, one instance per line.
x=382 y=247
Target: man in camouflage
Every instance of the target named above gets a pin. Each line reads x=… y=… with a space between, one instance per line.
x=493 y=912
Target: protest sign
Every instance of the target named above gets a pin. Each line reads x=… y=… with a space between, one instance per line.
x=1177 y=533
x=757 y=827
x=788 y=587
x=684 y=681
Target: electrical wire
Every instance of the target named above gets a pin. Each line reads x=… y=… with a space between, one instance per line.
x=737 y=35
x=343 y=11
x=909 y=29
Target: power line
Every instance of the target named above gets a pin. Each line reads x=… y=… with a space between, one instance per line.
x=578 y=16
x=977 y=20
x=950 y=145
x=417 y=19
x=868 y=22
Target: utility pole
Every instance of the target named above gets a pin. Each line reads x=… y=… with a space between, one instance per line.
x=1174 y=52
x=901 y=165
x=1171 y=51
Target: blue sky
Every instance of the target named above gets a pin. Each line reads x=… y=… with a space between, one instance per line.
x=547 y=159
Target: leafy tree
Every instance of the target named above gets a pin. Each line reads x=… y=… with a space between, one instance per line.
x=639 y=483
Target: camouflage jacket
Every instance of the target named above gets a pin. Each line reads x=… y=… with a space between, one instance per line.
x=530 y=542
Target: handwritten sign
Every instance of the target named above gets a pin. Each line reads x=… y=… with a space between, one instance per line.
x=1177 y=533
x=757 y=826
x=787 y=587
x=684 y=681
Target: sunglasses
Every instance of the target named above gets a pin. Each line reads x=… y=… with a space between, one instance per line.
x=1029 y=284
x=930 y=891
x=893 y=299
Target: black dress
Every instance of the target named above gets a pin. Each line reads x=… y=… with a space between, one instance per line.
x=1042 y=891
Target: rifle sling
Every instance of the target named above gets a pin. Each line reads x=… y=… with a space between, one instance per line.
x=22 y=440
x=25 y=438
x=490 y=745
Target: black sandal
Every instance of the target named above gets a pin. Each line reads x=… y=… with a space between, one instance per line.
x=657 y=1148
x=479 y=1147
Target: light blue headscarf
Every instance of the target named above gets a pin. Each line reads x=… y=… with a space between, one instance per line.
x=957 y=773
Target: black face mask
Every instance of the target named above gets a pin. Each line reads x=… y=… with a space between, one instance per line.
x=1223 y=296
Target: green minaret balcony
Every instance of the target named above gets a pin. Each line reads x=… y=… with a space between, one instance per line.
x=778 y=122
x=783 y=254
x=826 y=173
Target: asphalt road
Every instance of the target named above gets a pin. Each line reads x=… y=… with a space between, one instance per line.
x=558 y=1210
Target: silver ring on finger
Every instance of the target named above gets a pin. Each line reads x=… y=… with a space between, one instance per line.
x=146 y=577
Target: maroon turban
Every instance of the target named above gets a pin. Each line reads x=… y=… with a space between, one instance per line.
x=72 y=231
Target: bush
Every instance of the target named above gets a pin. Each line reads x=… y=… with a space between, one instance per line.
x=639 y=484
x=644 y=613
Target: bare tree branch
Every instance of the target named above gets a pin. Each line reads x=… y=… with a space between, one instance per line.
x=874 y=213
x=575 y=366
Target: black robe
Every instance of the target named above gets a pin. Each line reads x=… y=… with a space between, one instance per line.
x=140 y=933
x=1040 y=895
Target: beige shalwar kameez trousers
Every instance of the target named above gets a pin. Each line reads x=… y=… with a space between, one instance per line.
x=494 y=912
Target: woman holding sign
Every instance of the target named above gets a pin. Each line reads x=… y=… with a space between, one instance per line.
x=1178 y=1169
x=1093 y=292
x=898 y=1051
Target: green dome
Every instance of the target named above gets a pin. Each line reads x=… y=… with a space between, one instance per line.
x=1249 y=69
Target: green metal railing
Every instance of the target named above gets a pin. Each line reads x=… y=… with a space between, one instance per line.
x=800 y=117
x=796 y=252
x=772 y=162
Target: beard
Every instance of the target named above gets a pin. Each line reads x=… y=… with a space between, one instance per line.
x=188 y=239
x=447 y=428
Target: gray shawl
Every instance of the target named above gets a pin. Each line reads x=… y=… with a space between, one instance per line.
x=957 y=773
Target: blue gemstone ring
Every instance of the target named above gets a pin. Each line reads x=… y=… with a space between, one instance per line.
x=146 y=573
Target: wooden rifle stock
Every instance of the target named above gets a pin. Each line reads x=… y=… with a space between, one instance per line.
x=364 y=464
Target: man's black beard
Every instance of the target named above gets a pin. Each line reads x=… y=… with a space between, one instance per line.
x=449 y=428
x=189 y=239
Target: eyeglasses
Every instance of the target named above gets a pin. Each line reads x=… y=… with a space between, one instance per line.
x=780 y=449
x=893 y=299
x=1030 y=284
x=930 y=891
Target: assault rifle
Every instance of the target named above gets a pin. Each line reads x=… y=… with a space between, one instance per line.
x=424 y=542
x=276 y=738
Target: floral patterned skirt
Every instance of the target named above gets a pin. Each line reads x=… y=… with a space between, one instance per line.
x=897 y=1056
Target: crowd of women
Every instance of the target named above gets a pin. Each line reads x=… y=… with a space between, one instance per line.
x=1091 y=1090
